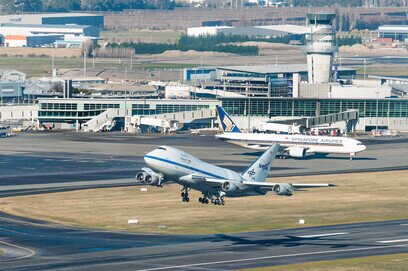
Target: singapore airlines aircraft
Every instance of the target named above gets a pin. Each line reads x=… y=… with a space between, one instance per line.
x=291 y=145
x=167 y=164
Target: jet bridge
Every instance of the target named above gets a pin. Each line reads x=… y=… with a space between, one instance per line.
x=168 y=122
x=349 y=116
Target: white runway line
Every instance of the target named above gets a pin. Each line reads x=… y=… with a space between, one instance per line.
x=392 y=241
x=322 y=235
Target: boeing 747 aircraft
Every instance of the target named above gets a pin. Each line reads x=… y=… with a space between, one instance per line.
x=167 y=164
x=292 y=145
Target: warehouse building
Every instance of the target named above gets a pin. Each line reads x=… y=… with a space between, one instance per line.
x=392 y=32
x=31 y=35
x=33 y=29
x=10 y=91
x=94 y=20
x=30 y=40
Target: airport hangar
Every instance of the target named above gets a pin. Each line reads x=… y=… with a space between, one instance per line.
x=95 y=20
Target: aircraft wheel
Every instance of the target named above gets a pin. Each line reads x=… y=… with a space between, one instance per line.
x=182 y=194
x=200 y=199
x=217 y=202
x=187 y=199
x=184 y=199
x=223 y=203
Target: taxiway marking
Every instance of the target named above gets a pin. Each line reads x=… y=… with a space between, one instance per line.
x=269 y=257
x=392 y=241
x=322 y=235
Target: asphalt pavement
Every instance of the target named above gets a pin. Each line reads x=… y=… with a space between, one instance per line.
x=47 y=162
x=51 y=162
x=35 y=245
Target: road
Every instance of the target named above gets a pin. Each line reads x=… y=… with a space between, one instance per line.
x=34 y=245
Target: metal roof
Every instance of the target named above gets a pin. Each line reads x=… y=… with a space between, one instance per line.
x=266 y=69
x=270 y=69
x=51 y=15
x=51 y=26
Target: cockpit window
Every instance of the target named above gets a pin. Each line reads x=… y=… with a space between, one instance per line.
x=162 y=148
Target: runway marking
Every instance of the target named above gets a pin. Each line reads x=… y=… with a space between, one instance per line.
x=322 y=235
x=392 y=241
x=270 y=257
x=31 y=252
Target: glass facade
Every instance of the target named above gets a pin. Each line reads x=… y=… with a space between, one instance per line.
x=147 y=109
x=87 y=110
x=298 y=107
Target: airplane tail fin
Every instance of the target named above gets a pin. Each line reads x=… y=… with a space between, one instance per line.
x=259 y=169
x=226 y=122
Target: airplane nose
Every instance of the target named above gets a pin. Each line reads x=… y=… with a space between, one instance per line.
x=221 y=136
x=361 y=148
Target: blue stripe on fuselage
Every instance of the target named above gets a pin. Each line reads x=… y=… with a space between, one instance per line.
x=184 y=166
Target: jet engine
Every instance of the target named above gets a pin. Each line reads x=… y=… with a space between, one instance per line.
x=229 y=187
x=297 y=152
x=141 y=176
x=148 y=178
x=283 y=190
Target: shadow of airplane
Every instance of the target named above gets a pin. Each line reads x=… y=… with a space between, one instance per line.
x=287 y=241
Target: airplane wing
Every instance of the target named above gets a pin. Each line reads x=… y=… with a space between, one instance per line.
x=148 y=170
x=265 y=185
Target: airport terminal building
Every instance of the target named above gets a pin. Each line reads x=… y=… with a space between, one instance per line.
x=384 y=113
x=259 y=80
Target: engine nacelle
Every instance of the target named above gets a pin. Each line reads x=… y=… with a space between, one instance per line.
x=283 y=190
x=297 y=152
x=141 y=176
x=151 y=180
x=229 y=187
x=148 y=178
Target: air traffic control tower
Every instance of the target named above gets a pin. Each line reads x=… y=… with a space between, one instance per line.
x=320 y=47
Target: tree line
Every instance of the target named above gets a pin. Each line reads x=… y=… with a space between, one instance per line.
x=15 y=6
x=218 y=43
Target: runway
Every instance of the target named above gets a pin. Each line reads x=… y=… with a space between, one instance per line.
x=49 y=162
x=52 y=162
x=34 y=245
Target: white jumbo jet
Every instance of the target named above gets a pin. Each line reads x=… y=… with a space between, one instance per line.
x=167 y=164
x=297 y=146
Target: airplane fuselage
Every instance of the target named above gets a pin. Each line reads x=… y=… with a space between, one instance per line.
x=312 y=144
x=174 y=165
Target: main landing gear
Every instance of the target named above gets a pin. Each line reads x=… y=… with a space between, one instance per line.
x=203 y=200
x=184 y=194
x=216 y=198
x=219 y=200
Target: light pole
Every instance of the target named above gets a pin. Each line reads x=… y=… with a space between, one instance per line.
x=249 y=107
x=376 y=118
x=85 y=63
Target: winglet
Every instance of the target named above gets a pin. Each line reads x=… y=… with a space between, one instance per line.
x=226 y=122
